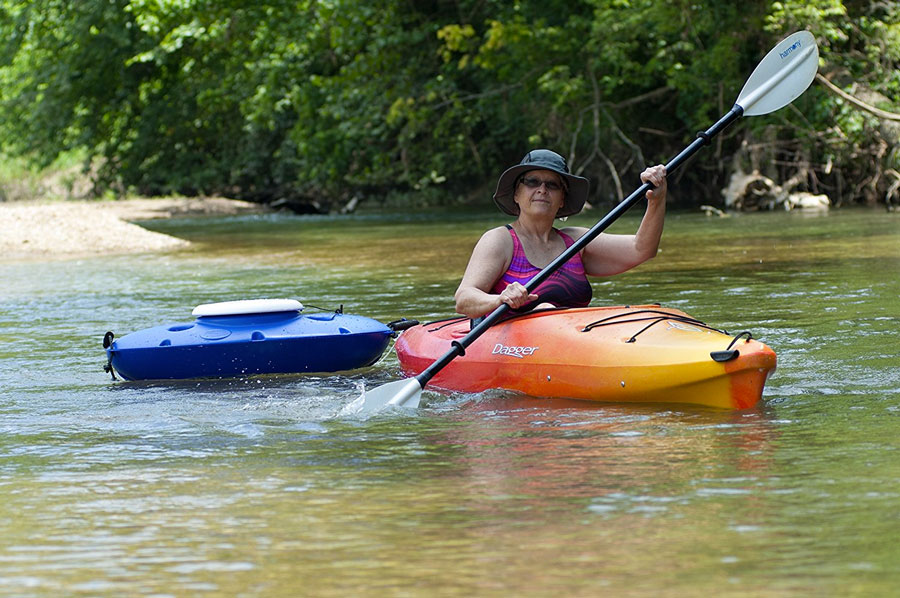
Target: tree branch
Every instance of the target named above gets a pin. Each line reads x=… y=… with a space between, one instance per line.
x=643 y=97
x=855 y=101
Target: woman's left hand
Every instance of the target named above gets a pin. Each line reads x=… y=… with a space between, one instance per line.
x=656 y=176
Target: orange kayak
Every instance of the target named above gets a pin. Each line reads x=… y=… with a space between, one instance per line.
x=644 y=353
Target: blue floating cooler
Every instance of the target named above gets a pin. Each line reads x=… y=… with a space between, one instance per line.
x=239 y=338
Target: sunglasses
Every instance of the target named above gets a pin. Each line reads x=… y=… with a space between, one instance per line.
x=535 y=182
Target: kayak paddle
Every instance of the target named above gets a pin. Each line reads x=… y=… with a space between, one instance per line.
x=785 y=73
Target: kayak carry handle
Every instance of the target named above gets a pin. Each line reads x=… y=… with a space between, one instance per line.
x=402 y=324
x=728 y=354
x=723 y=356
x=107 y=342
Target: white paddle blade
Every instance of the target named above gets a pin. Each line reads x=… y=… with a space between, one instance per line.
x=402 y=393
x=785 y=73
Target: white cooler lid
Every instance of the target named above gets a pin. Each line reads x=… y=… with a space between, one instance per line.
x=246 y=306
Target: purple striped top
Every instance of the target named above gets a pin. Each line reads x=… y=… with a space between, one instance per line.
x=567 y=287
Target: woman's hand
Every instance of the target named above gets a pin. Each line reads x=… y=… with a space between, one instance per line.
x=515 y=295
x=656 y=176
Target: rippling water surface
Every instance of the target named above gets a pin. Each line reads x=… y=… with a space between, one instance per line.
x=259 y=487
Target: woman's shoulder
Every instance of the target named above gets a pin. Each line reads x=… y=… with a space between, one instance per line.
x=497 y=234
x=496 y=241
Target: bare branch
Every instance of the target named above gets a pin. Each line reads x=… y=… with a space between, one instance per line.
x=856 y=101
x=595 y=150
x=642 y=98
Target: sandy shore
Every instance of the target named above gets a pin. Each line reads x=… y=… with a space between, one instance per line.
x=74 y=228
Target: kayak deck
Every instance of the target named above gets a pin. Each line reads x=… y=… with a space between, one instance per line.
x=644 y=353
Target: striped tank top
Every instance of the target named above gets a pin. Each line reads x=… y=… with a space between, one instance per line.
x=567 y=287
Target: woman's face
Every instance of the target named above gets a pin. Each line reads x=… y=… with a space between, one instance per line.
x=540 y=191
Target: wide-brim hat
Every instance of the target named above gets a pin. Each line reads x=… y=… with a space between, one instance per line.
x=577 y=188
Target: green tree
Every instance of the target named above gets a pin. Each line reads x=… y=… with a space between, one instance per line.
x=323 y=100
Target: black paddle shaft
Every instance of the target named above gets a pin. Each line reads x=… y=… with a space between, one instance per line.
x=459 y=347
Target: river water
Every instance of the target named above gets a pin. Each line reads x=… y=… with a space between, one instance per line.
x=259 y=487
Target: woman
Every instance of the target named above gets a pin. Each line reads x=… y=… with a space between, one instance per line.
x=536 y=191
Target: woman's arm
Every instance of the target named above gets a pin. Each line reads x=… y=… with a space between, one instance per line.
x=490 y=259
x=613 y=254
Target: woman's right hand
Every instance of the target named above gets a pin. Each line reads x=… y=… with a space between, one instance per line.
x=516 y=295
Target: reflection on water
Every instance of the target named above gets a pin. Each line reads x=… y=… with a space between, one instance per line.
x=258 y=487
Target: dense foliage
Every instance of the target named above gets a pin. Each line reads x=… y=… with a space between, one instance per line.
x=323 y=101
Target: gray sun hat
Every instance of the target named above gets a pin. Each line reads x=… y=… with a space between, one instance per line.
x=577 y=187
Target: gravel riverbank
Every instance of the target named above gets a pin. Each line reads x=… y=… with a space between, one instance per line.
x=75 y=228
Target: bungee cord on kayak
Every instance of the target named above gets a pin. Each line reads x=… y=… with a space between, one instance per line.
x=663 y=316
x=617 y=319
